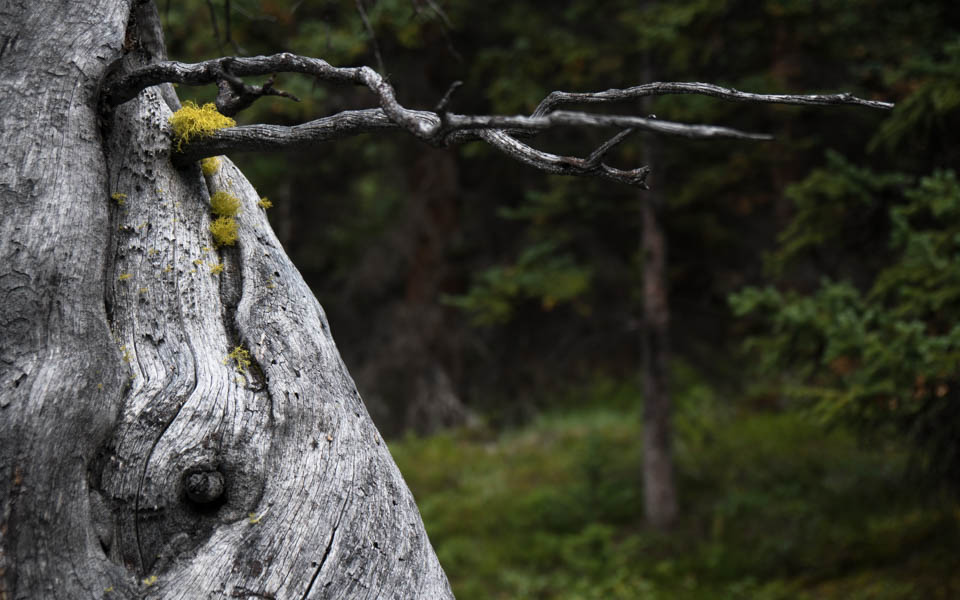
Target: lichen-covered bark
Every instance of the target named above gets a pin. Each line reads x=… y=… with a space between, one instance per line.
x=132 y=448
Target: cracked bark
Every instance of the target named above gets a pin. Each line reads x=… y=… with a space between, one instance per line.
x=115 y=389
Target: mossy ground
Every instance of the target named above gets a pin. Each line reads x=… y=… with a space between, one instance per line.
x=774 y=507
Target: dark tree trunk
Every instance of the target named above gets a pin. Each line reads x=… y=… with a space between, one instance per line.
x=660 y=495
x=136 y=455
x=659 y=486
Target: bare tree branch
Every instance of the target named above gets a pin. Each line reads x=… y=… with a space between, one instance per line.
x=373 y=37
x=128 y=86
x=563 y=165
x=555 y=99
x=213 y=21
x=439 y=128
x=234 y=95
x=278 y=138
x=230 y=40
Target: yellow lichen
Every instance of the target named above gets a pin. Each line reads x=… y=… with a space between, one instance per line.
x=209 y=165
x=224 y=231
x=224 y=205
x=216 y=268
x=168 y=268
x=148 y=581
x=241 y=356
x=265 y=203
x=120 y=198
x=253 y=519
x=192 y=121
x=125 y=276
x=198 y=261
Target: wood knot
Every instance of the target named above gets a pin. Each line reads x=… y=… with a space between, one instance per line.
x=203 y=485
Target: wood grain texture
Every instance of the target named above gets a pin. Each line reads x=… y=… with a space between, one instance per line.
x=116 y=386
x=60 y=373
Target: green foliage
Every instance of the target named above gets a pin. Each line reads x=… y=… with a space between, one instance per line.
x=932 y=108
x=887 y=356
x=775 y=508
x=538 y=274
x=874 y=342
x=832 y=202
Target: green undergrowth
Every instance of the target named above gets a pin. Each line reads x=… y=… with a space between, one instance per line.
x=773 y=507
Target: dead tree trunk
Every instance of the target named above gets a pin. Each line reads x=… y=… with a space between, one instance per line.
x=175 y=420
x=139 y=455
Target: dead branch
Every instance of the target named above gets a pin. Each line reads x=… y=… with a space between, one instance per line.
x=555 y=99
x=439 y=128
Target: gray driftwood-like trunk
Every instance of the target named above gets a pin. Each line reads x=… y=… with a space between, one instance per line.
x=137 y=459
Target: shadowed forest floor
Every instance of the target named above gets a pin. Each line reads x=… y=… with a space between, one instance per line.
x=774 y=506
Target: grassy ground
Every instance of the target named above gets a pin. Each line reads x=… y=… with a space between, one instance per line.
x=774 y=507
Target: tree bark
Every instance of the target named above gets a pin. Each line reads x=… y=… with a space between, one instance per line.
x=659 y=486
x=142 y=456
x=660 y=494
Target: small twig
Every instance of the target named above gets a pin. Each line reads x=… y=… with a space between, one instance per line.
x=227 y=18
x=234 y=95
x=597 y=155
x=373 y=37
x=445 y=27
x=441 y=108
x=442 y=105
x=216 y=28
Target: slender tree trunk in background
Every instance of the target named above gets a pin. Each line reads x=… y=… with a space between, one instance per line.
x=137 y=458
x=659 y=487
x=660 y=494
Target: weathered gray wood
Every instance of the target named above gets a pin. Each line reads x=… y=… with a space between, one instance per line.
x=61 y=381
x=130 y=446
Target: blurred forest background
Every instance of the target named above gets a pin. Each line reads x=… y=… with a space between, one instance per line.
x=493 y=316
